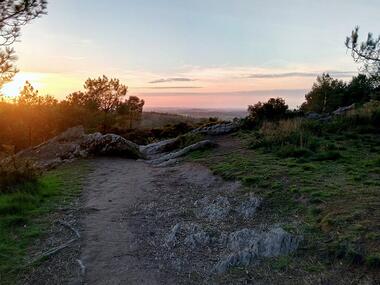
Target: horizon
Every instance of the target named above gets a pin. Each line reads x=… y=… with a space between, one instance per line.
x=232 y=56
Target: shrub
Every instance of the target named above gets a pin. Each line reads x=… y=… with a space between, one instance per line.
x=16 y=174
x=287 y=137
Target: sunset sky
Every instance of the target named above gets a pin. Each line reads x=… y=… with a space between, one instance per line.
x=192 y=53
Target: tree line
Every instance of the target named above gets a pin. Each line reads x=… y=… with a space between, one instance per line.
x=327 y=93
x=31 y=118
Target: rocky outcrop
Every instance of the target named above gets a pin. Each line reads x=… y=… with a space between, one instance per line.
x=327 y=116
x=248 y=208
x=188 y=234
x=248 y=245
x=151 y=151
x=179 y=153
x=217 y=129
x=343 y=110
x=213 y=210
x=74 y=143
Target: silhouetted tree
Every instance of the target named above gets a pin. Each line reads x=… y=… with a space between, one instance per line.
x=131 y=110
x=359 y=90
x=101 y=94
x=273 y=110
x=13 y=15
x=326 y=95
x=367 y=52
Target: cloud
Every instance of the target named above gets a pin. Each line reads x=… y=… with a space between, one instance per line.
x=173 y=79
x=174 y=87
x=265 y=93
x=299 y=74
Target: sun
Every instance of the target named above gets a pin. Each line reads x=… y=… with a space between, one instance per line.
x=13 y=88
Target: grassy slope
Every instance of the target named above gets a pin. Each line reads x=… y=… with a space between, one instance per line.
x=334 y=203
x=24 y=217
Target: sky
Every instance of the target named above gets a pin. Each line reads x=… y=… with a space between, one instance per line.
x=192 y=53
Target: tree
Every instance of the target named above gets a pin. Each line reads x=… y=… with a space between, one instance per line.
x=326 y=95
x=359 y=90
x=273 y=110
x=27 y=102
x=13 y=15
x=102 y=95
x=106 y=93
x=7 y=69
x=131 y=109
x=367 y=52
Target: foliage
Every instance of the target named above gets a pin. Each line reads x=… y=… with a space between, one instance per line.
x=25 y=216
x=130 y=111
x=13 y=15
x=330 y=195
x=7 y=68
x=272 y=110
x=32 y=119
x=366 y=53
x=326 y=95
x=17 y=173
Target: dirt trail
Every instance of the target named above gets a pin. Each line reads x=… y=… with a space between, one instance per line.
x=169 y=225
x=111 y=245
x=130 y=207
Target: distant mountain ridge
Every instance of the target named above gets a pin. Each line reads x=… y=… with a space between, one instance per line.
x=223 y=114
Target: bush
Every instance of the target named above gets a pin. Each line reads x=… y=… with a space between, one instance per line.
x=17 y=174
x=288 y=137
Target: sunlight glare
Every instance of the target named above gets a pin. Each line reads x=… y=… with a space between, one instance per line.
x=13 y=88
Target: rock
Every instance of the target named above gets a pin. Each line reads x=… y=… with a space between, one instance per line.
x=170 y=162
x=247 y=245
x=110 y=144
x=74 y=143
x=245 y=238
x=248 y=208
x=217 y=129
x=176 y=154
x=241 y=258
x=189 y=234
x=153 y=149
x=313 y=116
x=214 y=210
x=343 y=110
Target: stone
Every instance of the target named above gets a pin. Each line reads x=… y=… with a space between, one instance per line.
x=247 y=245
x=151 y=150
x=213 y=210
x=110 y=144
x=176 y=154
x=313 y=116
x=217 y=129
x=74 y=143
x=343 y=110
x=188 y=234
x=247 y=209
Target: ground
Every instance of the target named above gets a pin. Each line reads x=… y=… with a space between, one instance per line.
x=128 y=209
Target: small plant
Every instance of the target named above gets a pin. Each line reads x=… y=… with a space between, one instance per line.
x=16 y=174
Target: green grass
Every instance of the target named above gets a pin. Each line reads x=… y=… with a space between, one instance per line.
x=24 y=215
x=334 y=193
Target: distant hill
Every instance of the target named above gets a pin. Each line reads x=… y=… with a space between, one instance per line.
x=222 y=114
x=157 y=120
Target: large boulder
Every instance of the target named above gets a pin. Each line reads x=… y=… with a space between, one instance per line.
x=74 y=143
x=110 y=144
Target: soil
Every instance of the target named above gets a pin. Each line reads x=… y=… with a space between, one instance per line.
x=130 y=209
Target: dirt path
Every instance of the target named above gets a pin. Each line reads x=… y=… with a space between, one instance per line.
x=130 y=207
x=170 y=225
x=111 y=242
